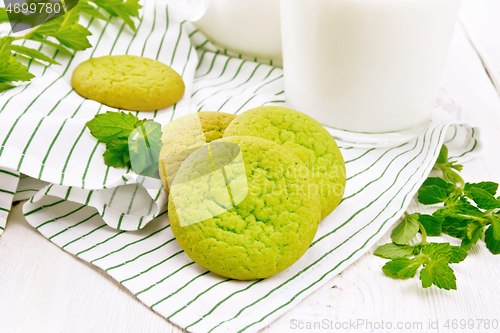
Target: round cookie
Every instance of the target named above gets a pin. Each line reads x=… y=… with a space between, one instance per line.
x=186 y=134
x=128 y=82
x=307 y=139
x=257 y=234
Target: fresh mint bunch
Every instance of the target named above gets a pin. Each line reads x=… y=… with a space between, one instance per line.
x=66 y=30
x=466 y=209
x=130 y=142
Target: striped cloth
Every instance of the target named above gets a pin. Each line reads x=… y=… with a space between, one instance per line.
x=113 y=219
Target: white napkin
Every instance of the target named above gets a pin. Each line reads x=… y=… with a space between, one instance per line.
x=43 y=135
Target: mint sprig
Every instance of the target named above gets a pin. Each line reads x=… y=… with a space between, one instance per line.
x=467 y=211
x=68 y=33
x=130 y=142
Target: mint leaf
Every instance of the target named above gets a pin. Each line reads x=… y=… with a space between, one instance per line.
x=39 y=38
x=406 y=230
x=455 y=227
x=117 y=154
x=448 y=187
x=431 y=224
x=5 y=86
x=411 y=269
x=125 y=10
x=86 y=8
x=443 y=155
x=444 y=277
x=457 y=254
x=12 y=70
x=475 y=235
x=112 y=126
x=495 y=225
x=491 y=243
x=408 y=267
x=489 y=187
x=72 y=34
x=393 y=251
x=145 y=146
x=482 y=198
x=67 y=31
x=438 y=251
x=3 y=15
x=32 y=53
x=432 y=194
x=439 y=274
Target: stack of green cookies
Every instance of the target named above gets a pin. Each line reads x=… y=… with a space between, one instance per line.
x=248 y=204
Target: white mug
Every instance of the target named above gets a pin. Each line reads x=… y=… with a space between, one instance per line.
x=248 y=27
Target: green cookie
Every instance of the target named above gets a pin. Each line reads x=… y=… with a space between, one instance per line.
x=184 y=135
x=128 y=82
x=244 y=207
x=306 y=138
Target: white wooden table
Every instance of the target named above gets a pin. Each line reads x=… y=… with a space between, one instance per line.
x=44 y=289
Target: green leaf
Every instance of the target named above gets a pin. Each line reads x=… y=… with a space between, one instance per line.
x=491 y=243
x=455 y=227
x=112 y=126
x=483 y=198
x=86 y=8
x=32 y=53
x=438 y=251
x=426 y=276
x=3 y=15
x=448 y=187
x=495 y=225
x=458 y=254
x=406 y=230
x=476 y=235
x=439 y=274
x=462 y=209
x=40 y=39
x=145 y=146
x=5 y=86
x=393 y=251
x=125 y=10
x=432 y=194
x=410 y=270
x=12 y=70
x=402 y=267
x=489 y=187
x=443 y=155
x=50 y=27
x=67 y=31
x=72 y=34
x=431 y=224
x=117 y=154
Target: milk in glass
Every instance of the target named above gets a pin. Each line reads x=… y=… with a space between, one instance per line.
x=366 y=65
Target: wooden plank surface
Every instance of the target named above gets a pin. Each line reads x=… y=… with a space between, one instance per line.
x=481 y=20
x=44 y=289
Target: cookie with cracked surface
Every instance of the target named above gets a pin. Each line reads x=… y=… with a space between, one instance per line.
x=184 y=135
x=251 y=221
x=306 y=138
x=128 y=82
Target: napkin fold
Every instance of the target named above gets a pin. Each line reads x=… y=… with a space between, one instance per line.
x=116 y=219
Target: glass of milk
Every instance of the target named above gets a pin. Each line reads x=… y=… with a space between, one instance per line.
x=369 y=69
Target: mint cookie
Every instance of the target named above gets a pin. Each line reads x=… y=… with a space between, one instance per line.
x=306 y=138
x=184 y=135
x=128 y=82
x=244 y=207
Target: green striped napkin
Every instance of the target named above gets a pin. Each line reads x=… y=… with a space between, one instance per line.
x=116 y=219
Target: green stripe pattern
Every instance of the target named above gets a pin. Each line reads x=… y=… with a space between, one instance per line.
x=9 y=180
